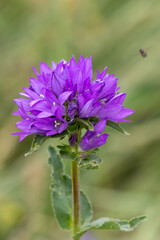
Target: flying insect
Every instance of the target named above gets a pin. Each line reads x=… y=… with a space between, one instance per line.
x=143 y=52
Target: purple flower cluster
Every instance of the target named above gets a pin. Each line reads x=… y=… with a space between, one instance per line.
x=66 y=92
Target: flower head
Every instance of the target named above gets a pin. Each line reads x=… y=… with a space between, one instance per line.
x=59 y=95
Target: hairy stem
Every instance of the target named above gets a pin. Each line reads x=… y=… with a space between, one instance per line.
x=75 y=197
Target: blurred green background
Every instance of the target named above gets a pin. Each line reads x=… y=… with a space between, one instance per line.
x=128 y=182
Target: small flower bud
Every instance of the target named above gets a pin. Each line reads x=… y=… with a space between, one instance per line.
x=72 y=140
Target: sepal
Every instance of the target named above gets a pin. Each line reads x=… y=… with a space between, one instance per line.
x=85 y=123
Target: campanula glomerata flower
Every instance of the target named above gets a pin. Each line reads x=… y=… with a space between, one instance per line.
x=93 y=139
x=59 y=95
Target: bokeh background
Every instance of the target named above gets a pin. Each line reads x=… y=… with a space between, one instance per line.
x=128 y=182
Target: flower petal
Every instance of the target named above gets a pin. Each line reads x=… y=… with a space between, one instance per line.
x=44 y=68
x=118 y=99
x=86 y=109
x=99 y=127
x=63 y=127
x=53 y=132
x=64 y=96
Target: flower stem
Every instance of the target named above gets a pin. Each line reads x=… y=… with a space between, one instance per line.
x=75 y=197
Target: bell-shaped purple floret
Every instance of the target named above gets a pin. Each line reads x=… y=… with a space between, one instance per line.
x=92 y=140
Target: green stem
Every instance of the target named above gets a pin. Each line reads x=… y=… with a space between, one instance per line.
x=75 y=197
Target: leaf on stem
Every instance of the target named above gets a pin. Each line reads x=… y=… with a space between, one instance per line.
x=36 y=143
x=117 y=127
x=107 y=223
x=86 y=210
x=92 y=161
x=62 y=194
x=67 y=153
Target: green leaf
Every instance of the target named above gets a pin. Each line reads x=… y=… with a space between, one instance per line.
x=72 y=127
x=62 y=191
x=107 y=223
x=62 y=202
x=36 y=143
x=92 y=161
x=62 y=194
x=65 y=148
x=66 y=152
x=70 y=156
x=117 y=127
x=86 y=210
x=55 y=162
